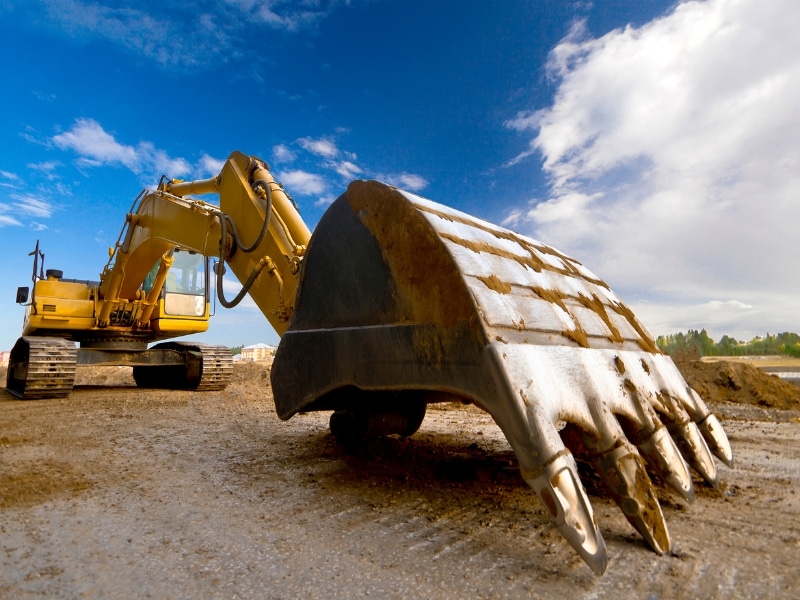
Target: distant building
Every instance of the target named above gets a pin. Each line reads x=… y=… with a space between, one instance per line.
x=257 y=352
x=4 y=356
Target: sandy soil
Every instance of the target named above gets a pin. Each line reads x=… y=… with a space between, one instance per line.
x=118 y=493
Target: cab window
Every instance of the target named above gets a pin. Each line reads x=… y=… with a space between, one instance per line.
x=187 y=275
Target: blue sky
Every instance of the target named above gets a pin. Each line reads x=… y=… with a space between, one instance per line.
x=657 y=142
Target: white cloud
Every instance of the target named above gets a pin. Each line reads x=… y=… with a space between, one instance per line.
x=59 y=189
x=160 y=38
x=285 y=14
x=673 y=152
x=44 y=97
x=231 y=287
x=569 y=207
x=340 y=161
x=303 y=183
x=32 y=206
x=88 y=163
x=412 y=182
x=6 y=220
x=22 y=208
x=407 y=181
x=326 y=148
x=210 y=166
x=525 y=121
x=321 y=147
x=92 y=142
x=282 y=153
x=175 y=35
x=46 y=166
x=31 y=135
x=346 y=169
x=514 y=217
x=155 y=160
x=744 y=321
x=97 y=147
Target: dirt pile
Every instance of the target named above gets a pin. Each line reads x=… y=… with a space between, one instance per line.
x=740 y=383
x=252 y=372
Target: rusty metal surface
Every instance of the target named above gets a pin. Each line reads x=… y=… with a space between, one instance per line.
x=420 y=296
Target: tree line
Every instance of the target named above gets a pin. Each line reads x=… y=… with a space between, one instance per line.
x=787 y=343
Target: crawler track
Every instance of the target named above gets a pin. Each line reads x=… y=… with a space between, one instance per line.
x=41 y=367
x=206 y=368
x=217 y=368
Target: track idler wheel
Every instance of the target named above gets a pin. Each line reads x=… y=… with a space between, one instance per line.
x=399 y=414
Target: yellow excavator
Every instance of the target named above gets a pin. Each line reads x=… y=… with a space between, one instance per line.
x=393 y=303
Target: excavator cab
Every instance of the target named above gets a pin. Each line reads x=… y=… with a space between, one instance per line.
x=185 y=292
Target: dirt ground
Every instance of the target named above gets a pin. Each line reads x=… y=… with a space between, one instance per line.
x=119 y=493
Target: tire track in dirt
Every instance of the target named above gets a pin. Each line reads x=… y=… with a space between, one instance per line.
x=210 y=495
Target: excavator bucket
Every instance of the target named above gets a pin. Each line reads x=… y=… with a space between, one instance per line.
x=403 y=302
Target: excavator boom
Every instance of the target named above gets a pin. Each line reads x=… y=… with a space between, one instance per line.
x=255 y=227
x=397 y=302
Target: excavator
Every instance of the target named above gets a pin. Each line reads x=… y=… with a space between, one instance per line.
x=393 y=303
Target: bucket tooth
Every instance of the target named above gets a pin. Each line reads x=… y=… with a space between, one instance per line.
x=715 y=437
x=623 y=472
x=665 y=459
x=560 y=490
x=709 y=426
x=694 y=449
x=399 y=294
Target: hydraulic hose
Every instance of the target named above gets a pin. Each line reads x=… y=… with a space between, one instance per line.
x=225 y=222
x=264 y=227
x=245 y=287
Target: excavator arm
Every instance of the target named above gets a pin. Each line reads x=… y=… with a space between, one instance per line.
x=255 y=230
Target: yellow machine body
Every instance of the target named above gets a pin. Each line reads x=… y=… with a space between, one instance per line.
x=69 y=309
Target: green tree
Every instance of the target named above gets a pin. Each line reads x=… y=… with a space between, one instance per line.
x=699 y=342
x=728 y=346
